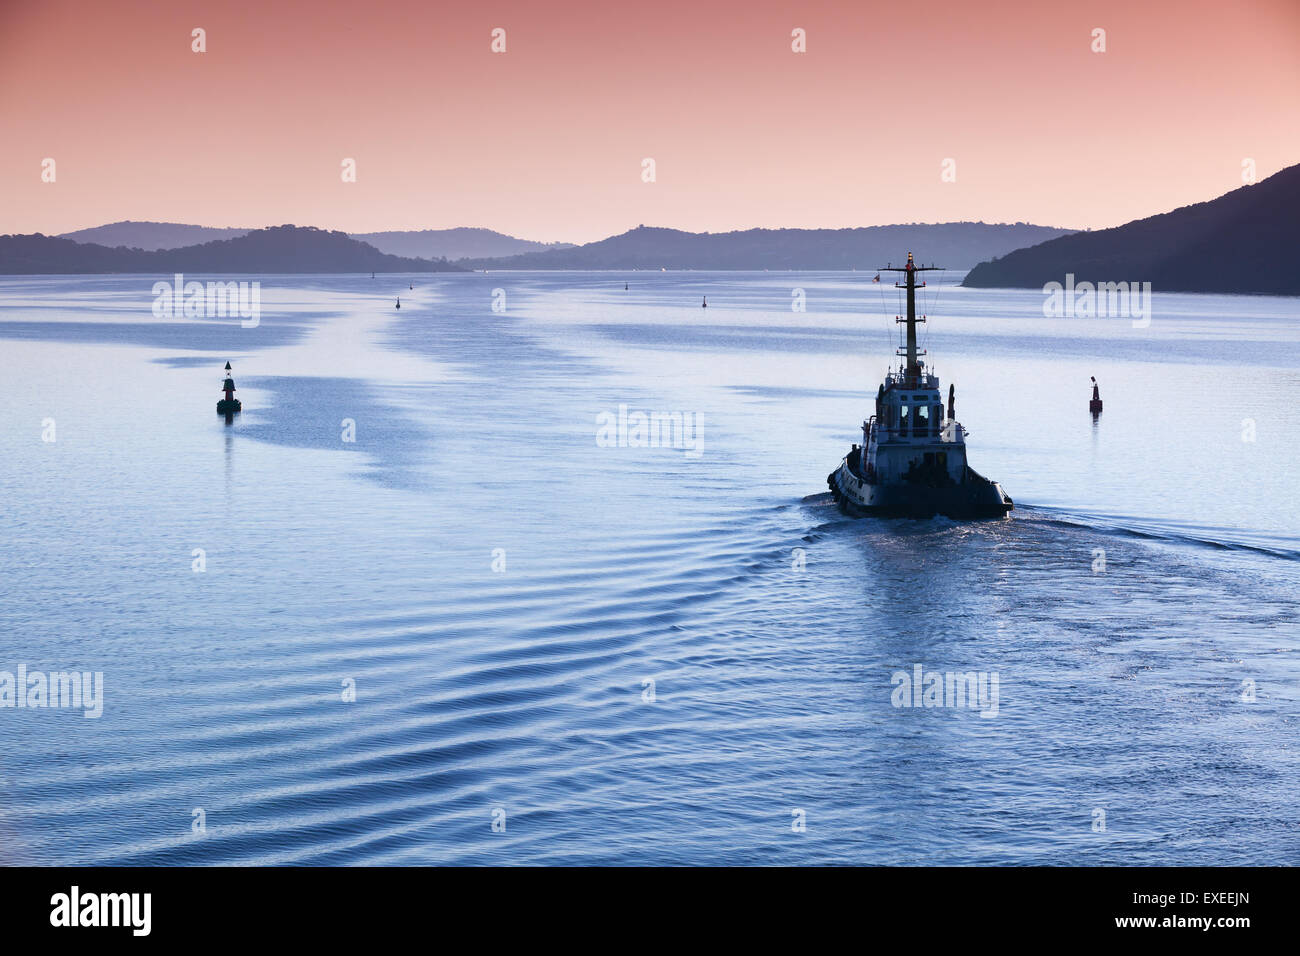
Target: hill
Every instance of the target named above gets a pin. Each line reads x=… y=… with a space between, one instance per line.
x=1246 y=241
x=279 y=249
x=954 y=245
x=460 y=243
x=151 y=236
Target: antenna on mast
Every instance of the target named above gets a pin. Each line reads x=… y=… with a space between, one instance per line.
x=913 y=356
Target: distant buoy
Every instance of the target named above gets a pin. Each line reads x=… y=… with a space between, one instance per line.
x=229 y=405
x=706 y=303
x=1094 y=406
x=399 y=301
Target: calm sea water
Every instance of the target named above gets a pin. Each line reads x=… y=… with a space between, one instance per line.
x=640 y=655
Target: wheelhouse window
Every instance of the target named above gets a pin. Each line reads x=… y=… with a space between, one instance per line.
x=921 y=422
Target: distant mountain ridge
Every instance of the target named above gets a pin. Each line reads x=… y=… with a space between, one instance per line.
x=151 y=236
x=289 y=249
x=1245 y=241
x=953 y=245
x=458 y=243
x=279 y=249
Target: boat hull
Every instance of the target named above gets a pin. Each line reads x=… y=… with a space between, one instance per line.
x=974 y=497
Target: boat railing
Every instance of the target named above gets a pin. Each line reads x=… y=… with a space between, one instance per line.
x=903 y=380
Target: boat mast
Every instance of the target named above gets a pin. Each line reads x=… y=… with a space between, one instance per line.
x=910 y=270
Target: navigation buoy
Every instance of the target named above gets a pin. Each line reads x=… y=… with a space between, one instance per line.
x=229 y=405
x=399 y=301
x=1094 y=406
x=706 y=303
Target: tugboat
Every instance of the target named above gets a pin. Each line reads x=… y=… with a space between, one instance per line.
x=912 y=460
x=229 y=405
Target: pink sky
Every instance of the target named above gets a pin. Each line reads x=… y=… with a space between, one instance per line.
x=546 y=140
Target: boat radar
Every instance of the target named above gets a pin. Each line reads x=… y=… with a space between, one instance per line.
x=229 y=405
x=912 y=460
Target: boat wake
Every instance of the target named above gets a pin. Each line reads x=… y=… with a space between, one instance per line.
x=1219 y=539
x=1135 y=528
